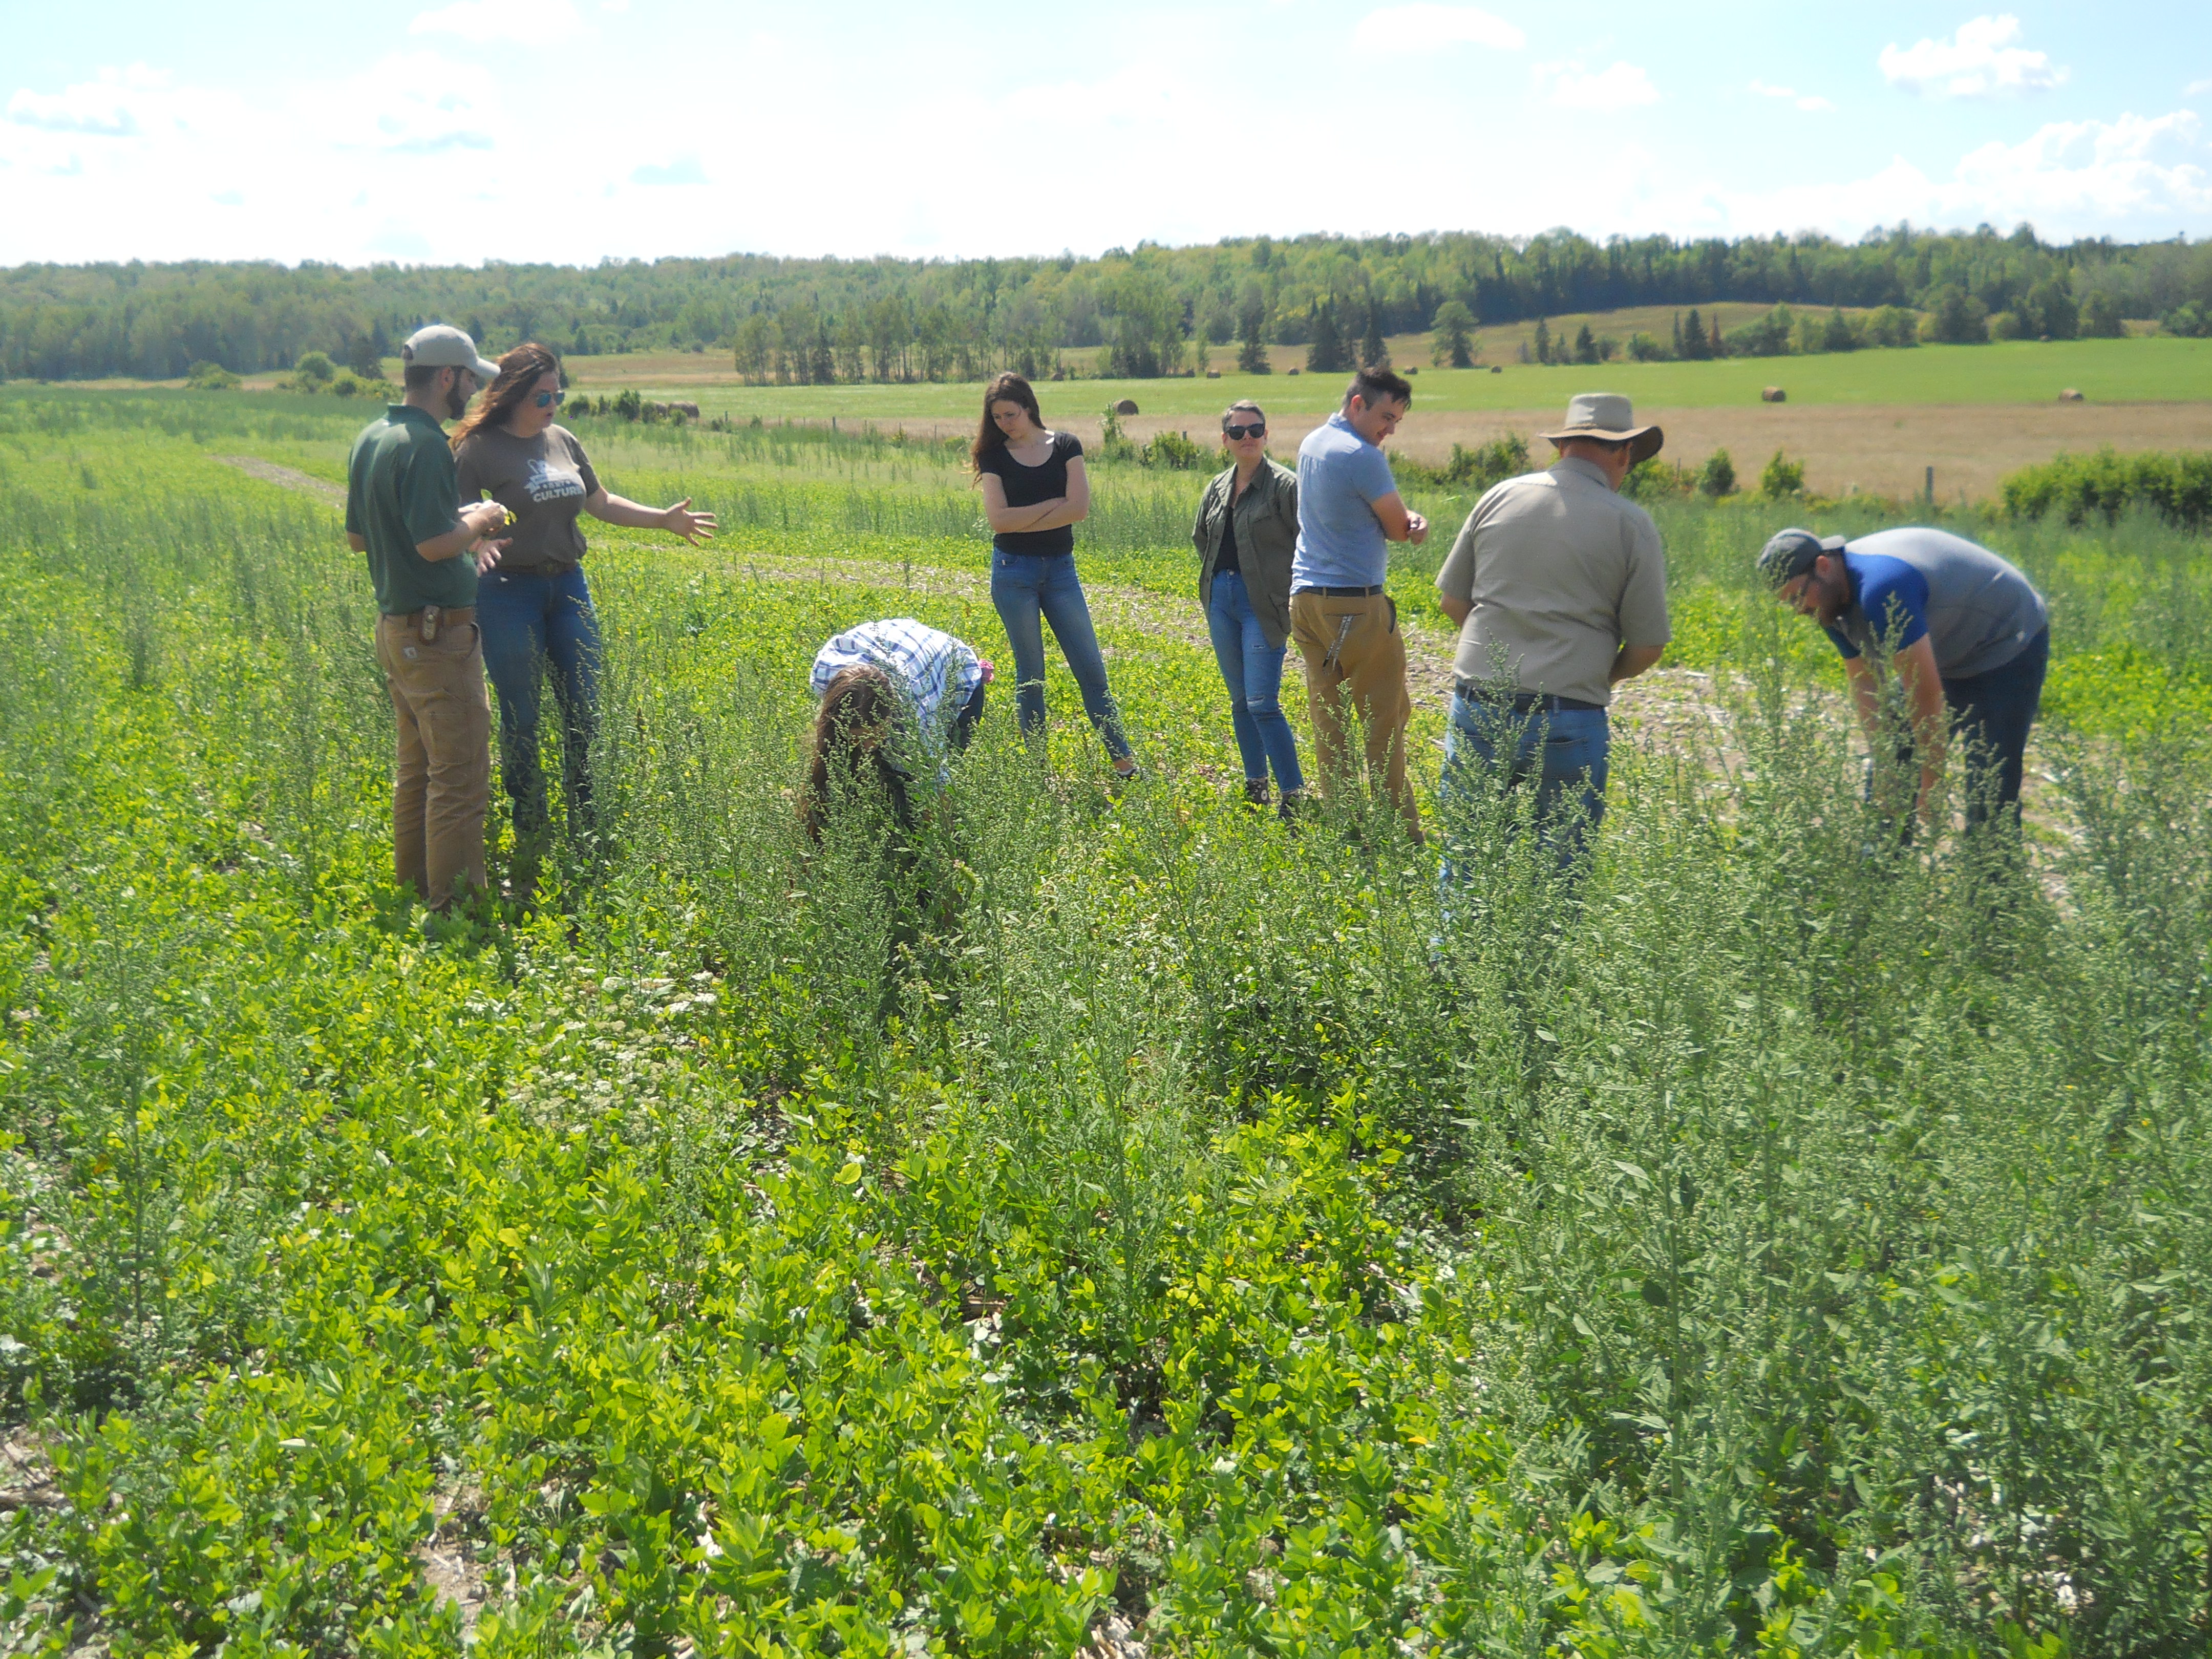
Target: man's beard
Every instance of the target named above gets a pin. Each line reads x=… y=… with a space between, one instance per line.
x=457 y=401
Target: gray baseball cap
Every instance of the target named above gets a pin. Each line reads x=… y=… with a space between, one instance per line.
x=443 y=346
x=1788 y=554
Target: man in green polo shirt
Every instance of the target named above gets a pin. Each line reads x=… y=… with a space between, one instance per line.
x=404 y=510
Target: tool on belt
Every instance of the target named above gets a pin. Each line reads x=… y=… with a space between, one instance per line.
x=1344 y=625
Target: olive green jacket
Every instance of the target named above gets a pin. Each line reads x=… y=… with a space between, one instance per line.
x=1267 y=536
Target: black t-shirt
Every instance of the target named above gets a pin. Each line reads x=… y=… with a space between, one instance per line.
x=1225 y=561
x=1026 y=486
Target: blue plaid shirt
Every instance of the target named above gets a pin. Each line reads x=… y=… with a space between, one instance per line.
x=935 y=673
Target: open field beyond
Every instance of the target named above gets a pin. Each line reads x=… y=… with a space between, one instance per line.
x=1116 y=1225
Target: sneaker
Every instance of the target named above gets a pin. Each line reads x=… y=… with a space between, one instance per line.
x=1255 y=793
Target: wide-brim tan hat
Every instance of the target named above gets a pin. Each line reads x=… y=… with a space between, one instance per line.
x=1610 y=418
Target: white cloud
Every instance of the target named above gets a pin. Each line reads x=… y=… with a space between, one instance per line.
x=2195 y=88
x=1809 y=101
x=102 y=107
x=525 y=22
x=1617 y=86
x=1982 y=60
x=1426 y=28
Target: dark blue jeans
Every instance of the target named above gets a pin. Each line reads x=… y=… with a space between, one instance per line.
x=1027 y=588
x=1990 y=714
x=1253 y=669
x=532 y=623
x=1492 y=746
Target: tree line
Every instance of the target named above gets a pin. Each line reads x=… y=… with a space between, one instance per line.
x=1147 y=309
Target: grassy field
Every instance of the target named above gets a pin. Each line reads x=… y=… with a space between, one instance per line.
x=2151 y=370
x=1129 y=1228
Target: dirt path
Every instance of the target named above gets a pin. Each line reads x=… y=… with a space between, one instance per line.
x=290 y=478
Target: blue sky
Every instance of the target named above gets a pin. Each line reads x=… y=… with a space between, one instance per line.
x=579 y=130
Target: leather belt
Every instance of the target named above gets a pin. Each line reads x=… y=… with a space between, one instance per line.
x=1523 y=702
x=1344 y=592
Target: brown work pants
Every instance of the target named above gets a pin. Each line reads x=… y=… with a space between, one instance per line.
x=441 y=780
x=1355 y=662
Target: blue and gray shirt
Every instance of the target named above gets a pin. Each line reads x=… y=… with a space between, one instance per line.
x=1976 y=609
x=1340 y=476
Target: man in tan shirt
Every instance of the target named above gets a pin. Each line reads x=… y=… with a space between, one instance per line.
x=1560 y=589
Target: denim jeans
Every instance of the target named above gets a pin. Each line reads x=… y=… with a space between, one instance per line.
x=1563 y=751
x=1027 y=586
x=1253 y=669
x=532 y=623
x=1989 y=715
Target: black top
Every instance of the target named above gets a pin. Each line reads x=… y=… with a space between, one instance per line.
x=1026 y=486
x=1225 y=560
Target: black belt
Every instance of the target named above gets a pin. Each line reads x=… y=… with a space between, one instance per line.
x=1524 y=702
x=1344 y=592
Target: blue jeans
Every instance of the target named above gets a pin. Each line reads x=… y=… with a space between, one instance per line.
x=1025 y=587
x=531 y=623
x=1253 y=669
x=1563 y=751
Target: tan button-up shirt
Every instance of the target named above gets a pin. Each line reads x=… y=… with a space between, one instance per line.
x=1561 y=573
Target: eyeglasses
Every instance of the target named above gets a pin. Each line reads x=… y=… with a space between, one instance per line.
x=547 y=400
x=1257 y=429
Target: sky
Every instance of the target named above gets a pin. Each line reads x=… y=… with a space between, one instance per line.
x=578 y=131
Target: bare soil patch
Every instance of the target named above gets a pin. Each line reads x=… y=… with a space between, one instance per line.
x=289 y=477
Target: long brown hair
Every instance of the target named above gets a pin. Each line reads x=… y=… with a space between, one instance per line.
x=1008 y=387
x=519 y=372
x=849 y=746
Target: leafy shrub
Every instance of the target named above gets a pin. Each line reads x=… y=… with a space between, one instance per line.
x=2104 y=485
x=1655 y=478
x=1954 y=317
x=204 y=376
x=1645 y=348
x=1175 y=452
x=1782 y=476
x=1769 y=337
x=313 y=372
x=2187 y=320
x=2101 y=318
x=1475 y=469
x=1451 y=342
x=2005 y=325
x=1894 y=325
x=1717 y=478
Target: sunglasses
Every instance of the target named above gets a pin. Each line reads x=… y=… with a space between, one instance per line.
x=1257 y=429
x=547 y=400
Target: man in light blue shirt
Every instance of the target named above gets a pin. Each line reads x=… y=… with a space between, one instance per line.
x=1346 y=627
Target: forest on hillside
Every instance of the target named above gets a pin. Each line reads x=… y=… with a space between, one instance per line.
x=890 y=319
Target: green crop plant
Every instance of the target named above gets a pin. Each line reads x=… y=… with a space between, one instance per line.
x=1118 y=1215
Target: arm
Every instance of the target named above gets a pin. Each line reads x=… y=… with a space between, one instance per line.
x=357 y=541
x=1632 y=660
x=1071 y=508
x=1923 y=702
x=1457 y=609
x=478 y=520
x=615 y=510
x=1398 y=523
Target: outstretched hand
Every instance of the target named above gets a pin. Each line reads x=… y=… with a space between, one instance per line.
x=487 y=552
x=687 y=524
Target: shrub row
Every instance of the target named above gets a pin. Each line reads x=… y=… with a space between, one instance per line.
x=2178 y=486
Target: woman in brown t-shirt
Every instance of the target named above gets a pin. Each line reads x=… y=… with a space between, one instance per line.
x=535 y=609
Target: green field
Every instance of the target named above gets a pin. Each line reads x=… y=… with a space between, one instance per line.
x=2154 y=370
x=1125 y=1228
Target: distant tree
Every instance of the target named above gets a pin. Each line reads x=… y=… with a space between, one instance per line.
x=365 y=357
x=822 y=360
x=2006 y=325
x=1372 y=352
x=1325 y=355
x=1678 y=334
x=314 y=371
x=1543 y=341
x=1769 y=337
x=1713 y=340
x=1782 y=476
x=1690 y=344
x=1585 y=345
x=1837 y=335
x=1451 y=341
x=852 y=345
x=1717 y=478
x=751 y=353
x=2050 y=310
x=2101 y=318
x=1646 y=348
x=1894 y=325
x=211 y=377
x=1954 y=317
x=2187 y=321
x=1252 y=333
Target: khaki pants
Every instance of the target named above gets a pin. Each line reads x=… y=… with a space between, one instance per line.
x=441 y=780
x=1355 y=656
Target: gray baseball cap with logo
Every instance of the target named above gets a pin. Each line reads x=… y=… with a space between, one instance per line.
x=443 y=346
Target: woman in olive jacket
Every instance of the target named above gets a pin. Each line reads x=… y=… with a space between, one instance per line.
x=1246 y=531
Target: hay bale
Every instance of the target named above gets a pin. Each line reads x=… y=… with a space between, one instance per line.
x=1772 y=394
x=1127 y=406
x=2070 y=396
x=689 y=410
x=1213 y=373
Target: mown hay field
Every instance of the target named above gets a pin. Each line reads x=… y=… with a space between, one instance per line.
x=1131 y=1228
